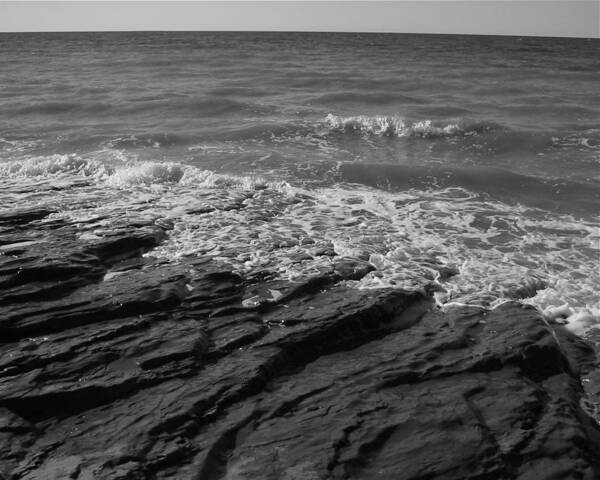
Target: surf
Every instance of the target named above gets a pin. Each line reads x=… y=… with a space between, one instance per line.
x=468 y=247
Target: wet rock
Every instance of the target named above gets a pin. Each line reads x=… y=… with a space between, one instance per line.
x=114 y=365
x=447 y=271
x=526 y=289
x=23 y=216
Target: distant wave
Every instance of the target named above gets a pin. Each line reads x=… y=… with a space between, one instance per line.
x=154 y=140
x=240 y=91
x=57 y=108
x=204 y=105
x=371 y=98
x=396 y=126
x=214 y=106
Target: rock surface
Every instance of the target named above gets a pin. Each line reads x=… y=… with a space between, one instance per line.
x=115 y=365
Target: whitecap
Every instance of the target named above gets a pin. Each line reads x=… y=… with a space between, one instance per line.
x=396 y=126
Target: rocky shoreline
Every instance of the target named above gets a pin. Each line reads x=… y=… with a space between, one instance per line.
x=118 y=365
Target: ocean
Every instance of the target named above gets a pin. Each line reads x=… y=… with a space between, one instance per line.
x=467 y=165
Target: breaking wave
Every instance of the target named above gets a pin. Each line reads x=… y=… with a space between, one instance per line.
x=44 y=166
x=122 y=173
x=396 y=126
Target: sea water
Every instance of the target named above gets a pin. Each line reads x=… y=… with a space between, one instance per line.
x=466 y=164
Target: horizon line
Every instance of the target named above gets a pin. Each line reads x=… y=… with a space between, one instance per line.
x=370 y=32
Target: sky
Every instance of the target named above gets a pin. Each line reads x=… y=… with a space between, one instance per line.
x=571 y=18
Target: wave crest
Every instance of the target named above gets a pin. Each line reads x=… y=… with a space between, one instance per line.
x=53 y=165
x=146 y=173
x=122 y=173
x=396 y=126
x=164 y=173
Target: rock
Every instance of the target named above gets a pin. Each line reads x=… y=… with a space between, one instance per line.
x=23 y=216
x=114 y=365
x=526 y=289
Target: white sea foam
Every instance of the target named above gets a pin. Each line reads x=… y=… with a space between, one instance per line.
x=45 y=166
x=588 y=139
x=146 y=173
x=411 y=237
x=393 y=126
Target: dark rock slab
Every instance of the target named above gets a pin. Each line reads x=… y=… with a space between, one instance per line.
x=22 y=216
x=114 y=365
